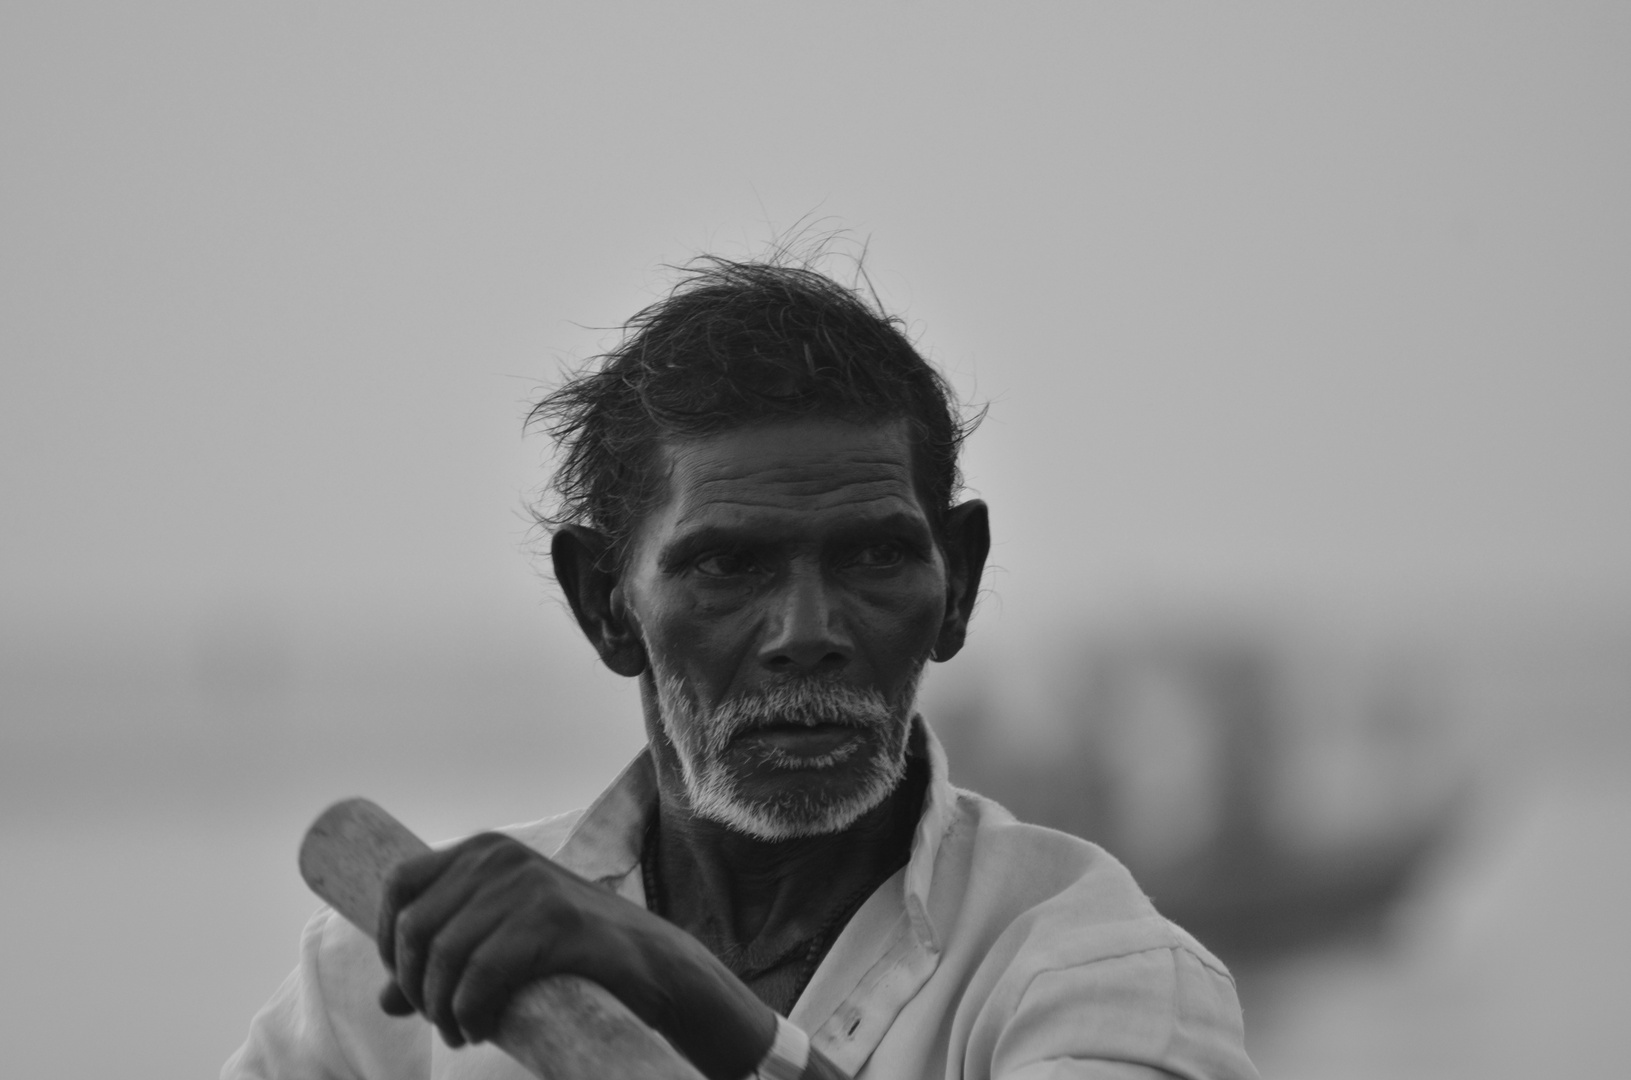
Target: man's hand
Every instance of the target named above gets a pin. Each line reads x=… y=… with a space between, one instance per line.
x=462 y=929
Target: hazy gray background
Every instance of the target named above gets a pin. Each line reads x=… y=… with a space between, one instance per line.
x=1301 y=313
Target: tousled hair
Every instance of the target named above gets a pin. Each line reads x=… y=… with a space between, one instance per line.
x=735 y=344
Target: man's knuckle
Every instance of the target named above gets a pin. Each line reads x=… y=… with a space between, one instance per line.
x=485 y=980
x=487 y=843
x=409 y=925
x=561 y=920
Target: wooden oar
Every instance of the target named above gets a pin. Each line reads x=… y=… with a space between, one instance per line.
x=562 y=1028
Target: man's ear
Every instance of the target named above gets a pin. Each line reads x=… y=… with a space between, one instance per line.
x=967 y=543
x=582 y=560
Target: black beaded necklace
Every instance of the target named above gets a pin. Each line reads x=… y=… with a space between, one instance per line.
x=813 y=947
x=909 y=800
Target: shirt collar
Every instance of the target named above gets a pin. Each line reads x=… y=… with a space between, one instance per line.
x=939 y=804
x=605 y=843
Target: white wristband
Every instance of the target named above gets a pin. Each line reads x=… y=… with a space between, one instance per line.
x=788 y=1054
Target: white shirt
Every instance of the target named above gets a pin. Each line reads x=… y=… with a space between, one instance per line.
x=1001 y=950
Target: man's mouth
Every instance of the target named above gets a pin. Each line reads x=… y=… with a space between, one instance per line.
x=801 y=740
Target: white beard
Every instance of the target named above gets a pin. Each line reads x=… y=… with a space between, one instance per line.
x=701 y=737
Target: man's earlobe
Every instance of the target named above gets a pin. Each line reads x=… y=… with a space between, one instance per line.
x=581 y=558
x=620 y=646
x=967 y=543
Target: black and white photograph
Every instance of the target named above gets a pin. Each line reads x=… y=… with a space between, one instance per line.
x=766 y=541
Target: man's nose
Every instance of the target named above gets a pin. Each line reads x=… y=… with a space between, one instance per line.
x=806 y=633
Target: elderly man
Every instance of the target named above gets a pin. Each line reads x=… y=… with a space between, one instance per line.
x=757 y=520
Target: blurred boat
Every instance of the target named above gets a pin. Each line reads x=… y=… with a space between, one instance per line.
x=1266 y=794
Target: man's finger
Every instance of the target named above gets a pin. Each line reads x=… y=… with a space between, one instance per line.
x=394 y=1001
x=492 y=975
x=449 y=965
x=403 y=885
x=420 y=924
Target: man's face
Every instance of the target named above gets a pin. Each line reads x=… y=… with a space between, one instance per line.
x=787 y=590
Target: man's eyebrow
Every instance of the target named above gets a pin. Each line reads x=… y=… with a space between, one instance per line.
x=689 y=542
x=896 y=522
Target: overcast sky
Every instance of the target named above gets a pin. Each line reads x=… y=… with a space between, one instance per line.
x=1312 y=301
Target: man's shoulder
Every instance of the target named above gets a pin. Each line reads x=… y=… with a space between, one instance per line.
x=1059 y=897
x=1059 y=955
x=1018 y=865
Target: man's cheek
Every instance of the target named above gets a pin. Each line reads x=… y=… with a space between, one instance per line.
x=909 y=627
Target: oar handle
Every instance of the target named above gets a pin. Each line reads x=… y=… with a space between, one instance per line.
x=560 y=1028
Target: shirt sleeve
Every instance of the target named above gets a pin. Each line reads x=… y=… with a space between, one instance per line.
x=324 y=1022
x=1158 y=1012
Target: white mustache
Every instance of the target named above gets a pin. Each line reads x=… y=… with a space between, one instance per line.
x=806 y=703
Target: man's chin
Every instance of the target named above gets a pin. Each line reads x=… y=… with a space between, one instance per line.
x=795 y=806
x=783 y=821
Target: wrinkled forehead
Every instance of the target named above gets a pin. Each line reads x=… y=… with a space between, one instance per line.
x=799 y=470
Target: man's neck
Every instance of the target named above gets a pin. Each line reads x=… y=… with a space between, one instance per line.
x=738 y=893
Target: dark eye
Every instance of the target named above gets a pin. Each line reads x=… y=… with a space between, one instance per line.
x=726 y=564
x=878 y=556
